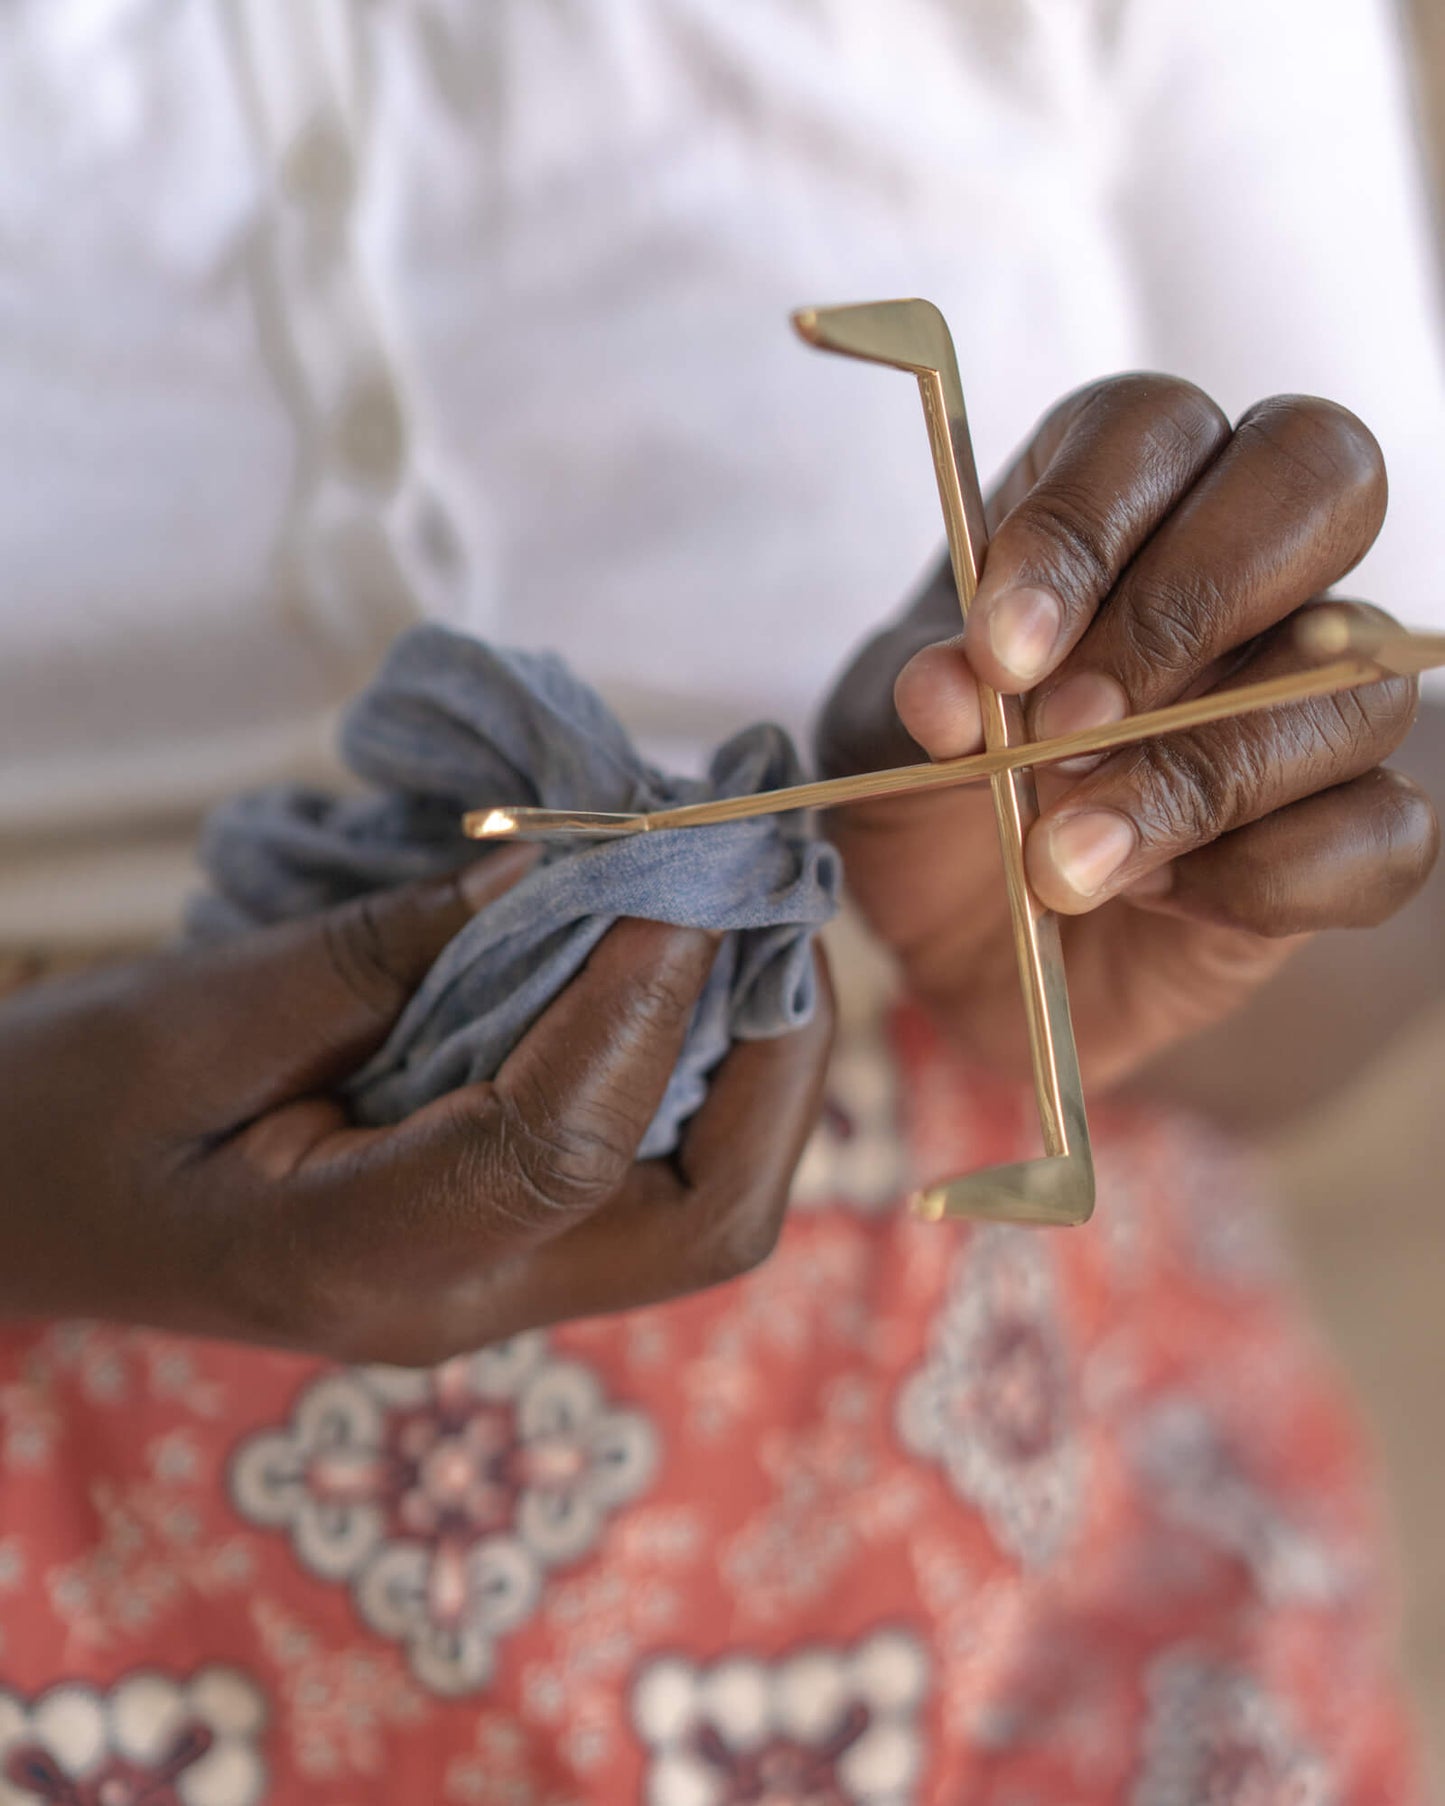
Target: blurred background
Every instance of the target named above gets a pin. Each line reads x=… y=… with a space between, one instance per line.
x=1359 y=1160
x=1361 y=1175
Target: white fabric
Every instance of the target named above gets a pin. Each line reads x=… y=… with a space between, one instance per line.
x=318 y=318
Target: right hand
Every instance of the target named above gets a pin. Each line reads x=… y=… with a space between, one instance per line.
x=173 y=1152
x=1173 y=554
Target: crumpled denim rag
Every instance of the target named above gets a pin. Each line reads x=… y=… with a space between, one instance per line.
x=451 y=724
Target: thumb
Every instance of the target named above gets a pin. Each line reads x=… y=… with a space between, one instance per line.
x=292 y=1009
x=911 y=687
x=907 y=692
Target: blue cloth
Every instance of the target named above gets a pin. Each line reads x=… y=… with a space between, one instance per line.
x=451 y=724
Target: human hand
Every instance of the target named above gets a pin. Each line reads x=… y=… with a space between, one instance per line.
x=1142 y=552
x=172 y=1154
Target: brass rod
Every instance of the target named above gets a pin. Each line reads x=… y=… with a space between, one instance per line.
x=506 y=823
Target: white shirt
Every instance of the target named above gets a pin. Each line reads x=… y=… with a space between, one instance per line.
x=319 y=317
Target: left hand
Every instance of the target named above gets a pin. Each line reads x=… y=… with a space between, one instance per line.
x=175 y=1154
x=1143 y=551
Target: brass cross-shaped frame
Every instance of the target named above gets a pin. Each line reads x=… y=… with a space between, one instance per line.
x=1058 y=1187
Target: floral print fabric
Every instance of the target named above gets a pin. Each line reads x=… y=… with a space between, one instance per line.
x=915 y=1513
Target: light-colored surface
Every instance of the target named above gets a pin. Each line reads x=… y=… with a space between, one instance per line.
x=1364 y=1181
x=325 y=317
x=143 y=577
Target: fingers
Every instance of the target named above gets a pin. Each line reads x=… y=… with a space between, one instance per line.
x=358 y=1228
x=1165 y=798
x=709 y=1215
x=1152 y=544
x=1100 y=474
x=916 y=663
x=1131 y=450
x=547 y=1141
x=1346 y=858
x=291 y=1009
x=743 y=1147
x=487 y=1214
x=937 y=700
x=1291 y=504
x=579 y=1091
x=863 y=729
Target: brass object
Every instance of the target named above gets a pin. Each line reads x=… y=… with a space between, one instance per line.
x=1059 y=1187
x=525 y=823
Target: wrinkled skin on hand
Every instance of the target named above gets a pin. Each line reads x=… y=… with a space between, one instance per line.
x=1143 y=551
x=172 y=1153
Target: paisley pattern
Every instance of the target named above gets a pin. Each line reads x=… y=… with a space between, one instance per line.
x=915 y=1514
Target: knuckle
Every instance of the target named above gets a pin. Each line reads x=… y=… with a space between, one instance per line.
x=1356 y=727
x=477 y=1178
x=1196 y=415
x=551 y=1165
x=1171 y=625
x=654 y=973
x=1085 y=530
x=1187 y=797
x=359 y=957
x=1080 y=540
x=1387 y=710
x=1393 y=708
x=1267 y=907
x=1345 y=723
x=659 y=996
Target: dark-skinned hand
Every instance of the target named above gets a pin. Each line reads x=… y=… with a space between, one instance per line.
x=172 y=1154
x=1142 y=552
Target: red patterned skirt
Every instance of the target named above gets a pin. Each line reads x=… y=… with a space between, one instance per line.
x=916 y=1513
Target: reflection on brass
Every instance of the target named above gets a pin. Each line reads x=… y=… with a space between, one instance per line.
x=1058 y=1188
x=1408 y=653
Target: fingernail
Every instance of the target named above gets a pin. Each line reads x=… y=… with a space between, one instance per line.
x=1089 y=700
x=1023 y=629
x=488 y=877
x=1087 y=850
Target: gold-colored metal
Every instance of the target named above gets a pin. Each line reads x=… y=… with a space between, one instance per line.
x=1397 y=651
x=1408 y=653
x=1058 y=1188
